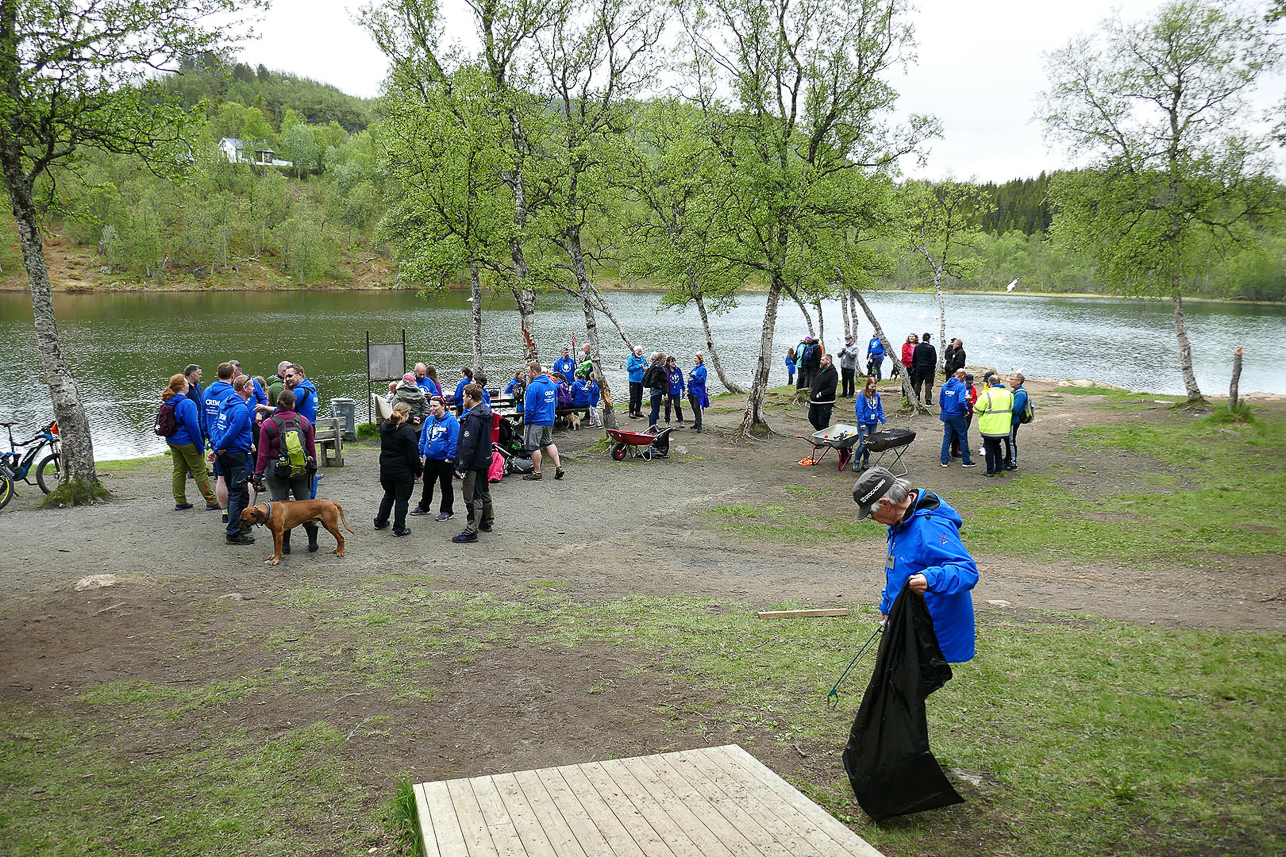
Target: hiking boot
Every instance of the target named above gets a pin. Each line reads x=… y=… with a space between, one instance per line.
x=465 y=538
x=180 y=507
x=558 y=473
x=210 y=507
x=534 y=476
x=225 y=516
x=240 y=539
x=405 y=531
x=418 y=511
x=312 y=537
x=380 y=526
x=445 y=516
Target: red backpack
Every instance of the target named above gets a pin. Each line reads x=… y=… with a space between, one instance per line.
x=166 y=424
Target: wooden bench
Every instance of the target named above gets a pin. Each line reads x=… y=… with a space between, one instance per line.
x=328 y=435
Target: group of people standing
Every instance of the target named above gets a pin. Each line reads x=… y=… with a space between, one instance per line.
x=251 y=429
x=666 y=383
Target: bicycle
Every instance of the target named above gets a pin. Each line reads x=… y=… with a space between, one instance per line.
x=6 y=486
x=47 y=471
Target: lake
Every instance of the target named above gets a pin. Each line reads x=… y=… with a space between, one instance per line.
x=122 y=348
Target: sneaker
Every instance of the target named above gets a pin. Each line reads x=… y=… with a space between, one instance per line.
x=210 y=507
x=465 y=538
x=969 y=464
x=180 y=507
x=380 y=526
x=405 y=531
x=225 y=516
x=240 y=539
x=944 y=464
x=989 y=474
x=1011 y=466
x=532 y=477
x=418 y=511
x=485 y=528
x=445 y=516
x=558 y=473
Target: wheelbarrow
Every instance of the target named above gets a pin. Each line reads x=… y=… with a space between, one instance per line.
x=648 y=444
x=840 y=438
x=895 y=440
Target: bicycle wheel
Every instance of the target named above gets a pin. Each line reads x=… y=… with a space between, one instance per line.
x=50 y=467
x=6 y=488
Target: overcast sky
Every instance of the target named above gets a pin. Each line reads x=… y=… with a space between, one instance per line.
x=979 y=70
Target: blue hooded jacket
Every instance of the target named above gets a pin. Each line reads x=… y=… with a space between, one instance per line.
x=459 y=392
x=868 y=414
x=636 y=366
x=875 y=348
x=189 y=423
x=675 y=376
x=232 y=429
x=566 y=367
x=305 y=401
x=1020 y=402
x=928 y=543
x=580 y=393
x=439 y=436
x=540 y=402
x=215 y=395
x=953 y=399
x=697 y=384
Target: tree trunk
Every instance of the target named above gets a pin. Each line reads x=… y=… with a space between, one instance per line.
x=73 y=425
x=601 y=304
x=849 y=327
x=475 y=284
x=591 y=324
x=754 y=413
x=942 y=319
x=1236 y=379
x=821 y=326
x=1185 y=352
x=802 y=308
x=714 y=355
x=884 y=340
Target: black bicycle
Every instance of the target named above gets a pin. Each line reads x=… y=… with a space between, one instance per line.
x=24 y=460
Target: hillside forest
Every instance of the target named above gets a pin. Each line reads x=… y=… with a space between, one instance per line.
x=330 y=217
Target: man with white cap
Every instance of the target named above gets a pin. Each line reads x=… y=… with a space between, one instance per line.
x=925 y=553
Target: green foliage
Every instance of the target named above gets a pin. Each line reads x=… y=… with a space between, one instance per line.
x=75 y=492
x=404 y=819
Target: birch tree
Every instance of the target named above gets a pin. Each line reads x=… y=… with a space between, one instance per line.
x=1177 y=169
x=73 y=75
x=806 y=78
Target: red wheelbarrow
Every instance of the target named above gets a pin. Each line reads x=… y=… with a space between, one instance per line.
x=647 y=445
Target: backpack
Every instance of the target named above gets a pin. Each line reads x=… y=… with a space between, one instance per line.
x=497 y=470
x=166 y=424
x=292 y=457
x=1028 y=412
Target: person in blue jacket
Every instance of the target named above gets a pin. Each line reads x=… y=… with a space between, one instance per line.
x=305 y=392
x=925 y=553
x=674 y=394
x=517 y=387
x=466 y=377
x=870 y=410
x=580 y=393
x=232 y=442
x=1016 y=382
x=261 y=395
x=186 y=445
x=424 y=382
x=595 y=396
x=215 y=395
x=565 y=365
x=197 y=395
x=540 y=405
x=697 y=396
x=635 y=366
x=438 y=442
x=791 y=356
x=874 y=357
x=953 y=405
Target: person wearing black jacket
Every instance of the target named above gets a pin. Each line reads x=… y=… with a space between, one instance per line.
x=953 y=358
x=821 y=396
x=473 y=464
x=924 y=364
x=658 y=383
x=399 y=468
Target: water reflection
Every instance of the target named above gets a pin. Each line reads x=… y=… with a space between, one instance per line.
x=122 y=348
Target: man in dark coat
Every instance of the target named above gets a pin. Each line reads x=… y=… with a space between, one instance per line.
x=821 y=396
x=473 y=464
x=924 y=364
x=953 y=358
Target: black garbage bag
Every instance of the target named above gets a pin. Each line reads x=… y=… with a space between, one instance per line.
x=887 y=758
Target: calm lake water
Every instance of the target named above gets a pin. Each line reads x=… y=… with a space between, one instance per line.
x=123 y=348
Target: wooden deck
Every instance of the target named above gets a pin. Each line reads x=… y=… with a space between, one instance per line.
x=713 y=802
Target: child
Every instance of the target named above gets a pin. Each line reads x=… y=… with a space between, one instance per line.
x=790 y=367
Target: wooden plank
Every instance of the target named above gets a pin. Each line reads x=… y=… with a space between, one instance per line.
x=551 y=819
x=645 y=815
x=823 y=820
x=473 y=825
x=504 y=835
x=526 y=824
x=608 y=819
x=446 y=827
x=660 y=773
x=574 y=812
x=801 y=614
x=675 y=822
x=799 y=838
x=427 y=836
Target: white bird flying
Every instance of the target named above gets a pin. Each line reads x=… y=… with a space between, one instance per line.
x=1010 y=287
x=997 y=340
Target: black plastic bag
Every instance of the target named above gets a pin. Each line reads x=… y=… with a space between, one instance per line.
x=887 y=758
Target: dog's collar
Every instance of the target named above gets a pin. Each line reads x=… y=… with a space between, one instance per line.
x=267 y=514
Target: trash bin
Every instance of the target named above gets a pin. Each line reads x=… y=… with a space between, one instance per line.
x=346 y=411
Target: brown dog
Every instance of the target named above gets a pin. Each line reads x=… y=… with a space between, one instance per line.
x=281 y=516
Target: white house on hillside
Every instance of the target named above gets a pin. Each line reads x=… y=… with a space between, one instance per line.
x=240 y=152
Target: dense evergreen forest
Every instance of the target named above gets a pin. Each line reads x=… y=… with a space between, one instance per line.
x=329 y=217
